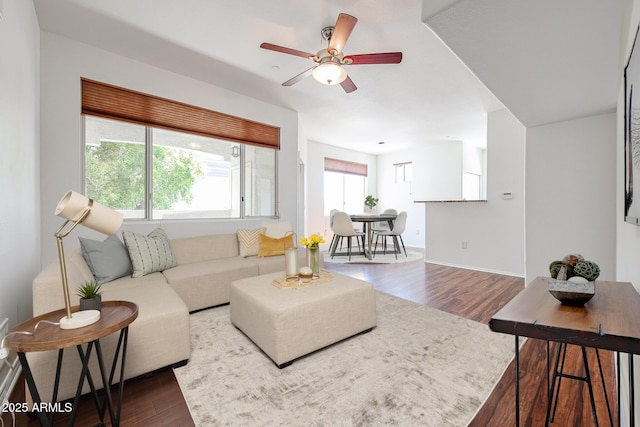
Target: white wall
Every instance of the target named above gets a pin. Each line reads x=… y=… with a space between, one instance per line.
x=493 y=231
x=571 y=202
x=316 y=152
x=474 y=160
x=64 y=61
x=437 y=175
x=19 y=161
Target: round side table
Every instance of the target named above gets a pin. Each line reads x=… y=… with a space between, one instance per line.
x=114 y=316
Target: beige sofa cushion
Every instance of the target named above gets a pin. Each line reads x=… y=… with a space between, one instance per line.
x=126 y=282
x=47 y=286
x=159 y=309
x=205 y=248
x=277 y=229
x=206 y=284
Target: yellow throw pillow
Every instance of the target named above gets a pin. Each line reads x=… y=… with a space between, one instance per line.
x=270 y=246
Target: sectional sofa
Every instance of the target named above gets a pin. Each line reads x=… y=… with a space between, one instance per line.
x=199 y=274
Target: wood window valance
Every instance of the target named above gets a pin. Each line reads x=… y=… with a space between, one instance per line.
x=113 y=102
x=353 y=168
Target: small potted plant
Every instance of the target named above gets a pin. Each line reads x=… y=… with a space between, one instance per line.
x=90 y=298
x=371 y=202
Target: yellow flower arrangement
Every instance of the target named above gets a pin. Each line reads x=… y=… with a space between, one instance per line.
x=312 y=241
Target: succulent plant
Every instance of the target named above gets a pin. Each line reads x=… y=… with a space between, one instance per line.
x=88 y=290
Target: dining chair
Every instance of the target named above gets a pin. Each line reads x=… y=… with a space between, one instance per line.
x=395 y=233
x=332 y=213
x=384 y=225
x=343 y=227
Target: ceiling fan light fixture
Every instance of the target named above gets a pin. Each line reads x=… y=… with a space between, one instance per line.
x=329 y=62
x=329 y=73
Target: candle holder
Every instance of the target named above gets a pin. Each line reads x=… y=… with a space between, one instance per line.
x=291 y=260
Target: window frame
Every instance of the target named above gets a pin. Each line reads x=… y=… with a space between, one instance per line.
x=402 y=166
x=148 y=181
x=345 y=168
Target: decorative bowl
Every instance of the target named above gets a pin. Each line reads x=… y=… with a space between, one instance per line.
x=571 y=292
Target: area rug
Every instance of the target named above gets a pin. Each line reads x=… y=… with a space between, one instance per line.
x=380 y=258
x=419 y=366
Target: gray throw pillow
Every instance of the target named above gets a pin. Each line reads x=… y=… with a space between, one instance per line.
x=107 y=260
x=149 y=253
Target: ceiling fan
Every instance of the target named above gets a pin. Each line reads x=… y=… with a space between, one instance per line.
x=329 y=69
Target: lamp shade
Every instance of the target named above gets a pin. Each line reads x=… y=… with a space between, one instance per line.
x=101 y=218
x=329 y=73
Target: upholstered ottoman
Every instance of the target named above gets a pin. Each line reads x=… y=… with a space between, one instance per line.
x=289 y=323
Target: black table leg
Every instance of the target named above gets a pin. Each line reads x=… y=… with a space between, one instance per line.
x=124 y=335
x=106 y=385
x=517 y=365
x=632 y=393
x=121 y=352
x=85 y=356
x=32 y=388
x=367 y=226
x=56 y=382
x=604 y=387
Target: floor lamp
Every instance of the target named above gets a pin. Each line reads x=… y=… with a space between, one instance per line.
x=78 y=209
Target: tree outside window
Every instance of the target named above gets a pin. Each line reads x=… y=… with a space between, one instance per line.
x=191 y=176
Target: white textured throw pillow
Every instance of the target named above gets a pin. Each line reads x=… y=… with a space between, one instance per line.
x=249 y=241
x=149 y=253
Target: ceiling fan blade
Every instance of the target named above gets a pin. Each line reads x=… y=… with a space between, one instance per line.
x=301 y=76
x=287 y=50
x=341 y=32
x=348 y=85
x=374 y=58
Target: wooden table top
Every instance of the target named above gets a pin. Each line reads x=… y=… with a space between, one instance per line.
x=610 y=320
x=114 y=316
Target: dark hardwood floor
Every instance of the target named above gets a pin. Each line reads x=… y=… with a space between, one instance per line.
x=155 y=399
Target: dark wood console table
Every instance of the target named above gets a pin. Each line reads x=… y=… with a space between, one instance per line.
x=114 y=316
x=608 y=321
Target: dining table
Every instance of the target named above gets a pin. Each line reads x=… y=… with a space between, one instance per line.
x=368 y=220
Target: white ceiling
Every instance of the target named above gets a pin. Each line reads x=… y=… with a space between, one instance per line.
x=546 y=60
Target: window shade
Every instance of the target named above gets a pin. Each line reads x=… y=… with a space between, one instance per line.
x=336 y=165
x=113 y=102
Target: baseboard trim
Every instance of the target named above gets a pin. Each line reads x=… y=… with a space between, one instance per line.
x=468 y=267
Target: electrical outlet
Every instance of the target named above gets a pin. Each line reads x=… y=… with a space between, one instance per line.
x=464 y=244
x=417 y=231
